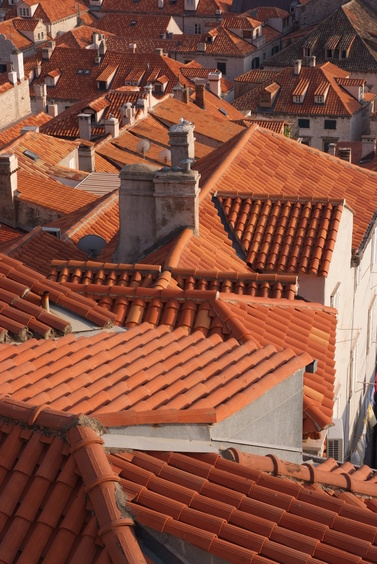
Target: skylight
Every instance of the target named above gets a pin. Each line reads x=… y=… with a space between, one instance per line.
x=80 y=71
x=31 y=155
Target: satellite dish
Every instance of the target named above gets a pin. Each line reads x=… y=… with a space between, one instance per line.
x=164 y=156
x=143 y=146
x=92 y=245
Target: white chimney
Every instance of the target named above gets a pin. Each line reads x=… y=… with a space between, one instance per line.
x=127 y=114
x=159 y=51
x=112 y=127
x=52 y=110
x=182 y=143
x=132 y=47
x=297 y=66
x=312 y=61
x=85 y=126
x=8 y=188
x=40 y=92
x=142 y=105
x=38 y=69
x=17 y=59
x=12 y=75
x=215 y=82
x=86 y=155
x=332 y=149
x=96 y=39
x=148 y=92
x=368 y=145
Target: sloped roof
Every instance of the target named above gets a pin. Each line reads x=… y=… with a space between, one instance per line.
x=21 y=314
x=338 y=101
x=246 y=514
x=147 y=25
x=146 y=385
x=226 y=43
x=38 y=248
x=288 y=168
x=51 y=11
x=79 y=36
x=59 y=498
x=271 y=231
x=355 y=18
x=205 y=7
x=9 y=134
x=9 y=30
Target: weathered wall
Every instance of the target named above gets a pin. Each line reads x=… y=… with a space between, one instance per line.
x=14 y=103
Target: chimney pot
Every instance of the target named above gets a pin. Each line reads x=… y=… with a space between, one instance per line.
x=312 y=61
x=297 y=66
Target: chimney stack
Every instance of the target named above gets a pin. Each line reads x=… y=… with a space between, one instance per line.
x=148 y=88
x=48 y=50
x=163 y=201
x=87 y=156
x=17 y=58
x=345 y=154
x=127 y=114
x=40 y=92
x=132 y=47
x=8 y=188
x=182 y=143
x=312 y=61
x=297 y=67
x=178 y=92
x=85 y=126
x=200 y=95
x=12 y=75
x=368 y=145
x=112 y=126
x=186 y=95
x=215 y=82
x=332 y=149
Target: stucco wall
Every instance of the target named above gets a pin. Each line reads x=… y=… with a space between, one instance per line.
x=14 y=103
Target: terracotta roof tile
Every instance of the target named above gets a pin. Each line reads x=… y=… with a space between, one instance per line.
x=11 y=133
x=75 y=383
x=9 y=28
x=21 y=314
x=52 y=467
x=246 y=511
x=273 y=232
x=207 y=8
x=298 y=171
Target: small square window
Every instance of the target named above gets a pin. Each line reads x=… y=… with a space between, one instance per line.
x=221 y=67
x=330 y=123
x=304 y=123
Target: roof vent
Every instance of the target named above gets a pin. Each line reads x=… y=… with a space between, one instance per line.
x=31 y=155
x=344 y=153
x=223 y=111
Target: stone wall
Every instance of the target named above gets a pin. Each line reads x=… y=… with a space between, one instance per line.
x=14 y=103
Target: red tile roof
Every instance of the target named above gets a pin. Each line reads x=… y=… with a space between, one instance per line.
x=11 y=133
x=286 y=168
x=137 y=25
x=134 y=382
x=205 y=7
x=9 y=30
x=59 y=497
x=287 y=235
x=38 y=248
x=51 y=11
x=337 y=103
x=8 y=234
x=21 y=314
x=244 y=514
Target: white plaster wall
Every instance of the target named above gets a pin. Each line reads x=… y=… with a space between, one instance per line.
x=62 y=26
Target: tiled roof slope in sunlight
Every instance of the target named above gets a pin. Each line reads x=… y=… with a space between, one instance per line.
x=60 y=501
x=247 y=514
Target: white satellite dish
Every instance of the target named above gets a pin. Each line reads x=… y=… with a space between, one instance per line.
x=164 y=156
x=143 y=146
x=92 y=245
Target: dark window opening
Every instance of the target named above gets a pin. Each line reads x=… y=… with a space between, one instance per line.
x=304 y=123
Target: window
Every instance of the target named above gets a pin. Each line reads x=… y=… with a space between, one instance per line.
x=330 y=123
x=307 y=52
x=343 y=54
x=304 y=123
x=247 y=34
x=275 y=50
x=328 y=53
x=221 y=67
x=255 y=63
x=197 y=29
x=39 y=35
x=42 y=35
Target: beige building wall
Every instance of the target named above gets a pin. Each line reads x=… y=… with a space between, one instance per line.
x=14 y=103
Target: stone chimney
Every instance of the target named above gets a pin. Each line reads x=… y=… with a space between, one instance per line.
x=154 y=203
x=132 y=47
x=178 y=92
x=182 y=143
x=312 y=61
x=137 y=212
x=200 y=95
x=297 y=67
x=8 y=188
x=85 y=126
x=96 y=39
x=102 y=47
x=48 y=50
x=142 y=105
x=148 y=88
x=52 y=110
x=87 y=156
x=368 y=145
x=112 y=126
x=127 y=114
x=17 y=58
x=332 y=149
x=97 y=58
x=38 y=69
x=186 y=95
x=345 y=154
x=40 y=92
x=12 y=75
x=215 y=82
